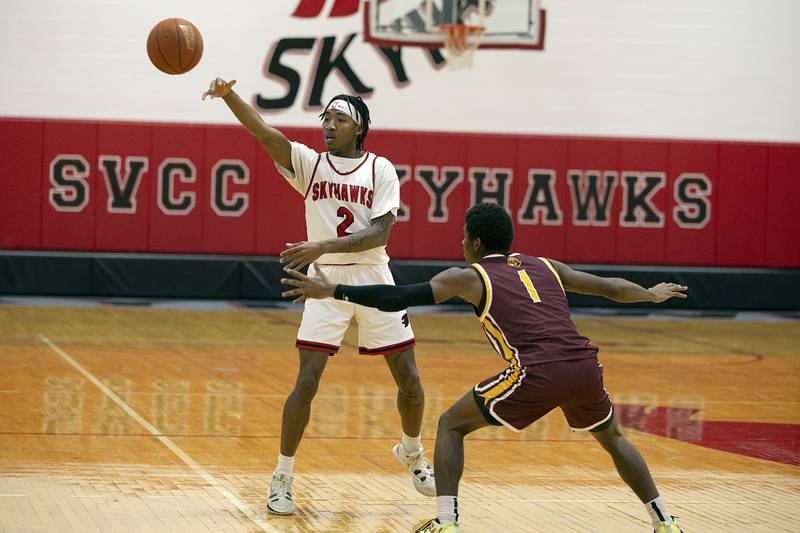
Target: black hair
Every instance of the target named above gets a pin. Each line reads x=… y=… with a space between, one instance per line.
x=360 y=106
x=492 y=224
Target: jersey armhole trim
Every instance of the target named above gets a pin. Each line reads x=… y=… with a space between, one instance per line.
x=553 y=270
x=374 y=162
x=313 y=176
x=487 y=287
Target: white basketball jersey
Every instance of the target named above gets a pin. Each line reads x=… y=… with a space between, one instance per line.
x=343 y=196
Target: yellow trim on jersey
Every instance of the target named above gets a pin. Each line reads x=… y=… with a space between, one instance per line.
x=553 y=270
x=513 y=374
x=506 y=350
x=487 y=284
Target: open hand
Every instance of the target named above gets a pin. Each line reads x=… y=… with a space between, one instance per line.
x=300 y=254
x=665 y=291
x=219 y=88
x=307 y=287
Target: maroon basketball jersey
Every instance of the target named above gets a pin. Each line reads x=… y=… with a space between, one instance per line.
x=525 y=313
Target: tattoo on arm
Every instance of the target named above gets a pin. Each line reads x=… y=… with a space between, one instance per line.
x=375 y=235
x=384 y=222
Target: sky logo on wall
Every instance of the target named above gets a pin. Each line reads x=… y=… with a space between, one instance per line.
x=390 y=26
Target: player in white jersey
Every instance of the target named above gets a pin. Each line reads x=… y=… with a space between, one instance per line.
x=351 y=201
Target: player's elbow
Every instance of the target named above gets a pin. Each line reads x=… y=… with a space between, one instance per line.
x=382 y=237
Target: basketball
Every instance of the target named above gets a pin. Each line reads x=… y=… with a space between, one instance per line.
x=174 y=46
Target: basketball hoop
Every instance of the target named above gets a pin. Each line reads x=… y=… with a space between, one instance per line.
x=461 y=41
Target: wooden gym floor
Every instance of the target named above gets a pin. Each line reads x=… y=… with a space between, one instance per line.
x=143 y=419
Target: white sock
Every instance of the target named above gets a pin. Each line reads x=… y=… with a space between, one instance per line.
x=411 y=444
x=447 y=509
x=658 y=511
x=285 y=464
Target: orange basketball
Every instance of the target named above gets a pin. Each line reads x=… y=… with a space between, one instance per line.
x=174 y=46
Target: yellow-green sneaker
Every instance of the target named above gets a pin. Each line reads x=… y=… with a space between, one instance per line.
x=668 y=527
x=433 y=526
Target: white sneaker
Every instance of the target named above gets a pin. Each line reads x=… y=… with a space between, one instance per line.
x=279 y=497
x=419 y=467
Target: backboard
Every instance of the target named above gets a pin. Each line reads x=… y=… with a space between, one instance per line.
x=508 y=23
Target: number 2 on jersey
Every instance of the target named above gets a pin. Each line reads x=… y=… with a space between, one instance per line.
x=526 y=280
x=341 y=229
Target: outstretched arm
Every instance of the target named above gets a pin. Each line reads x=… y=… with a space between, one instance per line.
x=300 y=254
x=461 y=283
x=276 y=144
x=616 y=289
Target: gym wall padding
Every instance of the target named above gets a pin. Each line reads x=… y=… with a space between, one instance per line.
x=185 y=276
x=213 y=190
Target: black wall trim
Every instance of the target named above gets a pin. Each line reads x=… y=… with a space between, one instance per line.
x=258 y=278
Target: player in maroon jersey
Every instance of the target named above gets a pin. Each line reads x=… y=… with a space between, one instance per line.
x=523 y=308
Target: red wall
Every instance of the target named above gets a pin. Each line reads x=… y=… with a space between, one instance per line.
x=752 y=192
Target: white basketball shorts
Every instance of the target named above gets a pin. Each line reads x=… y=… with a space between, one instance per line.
x=325 y=321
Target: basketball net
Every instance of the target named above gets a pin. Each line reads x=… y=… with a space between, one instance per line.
x=461 y=41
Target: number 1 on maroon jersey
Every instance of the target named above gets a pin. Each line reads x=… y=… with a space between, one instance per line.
x=526 y=280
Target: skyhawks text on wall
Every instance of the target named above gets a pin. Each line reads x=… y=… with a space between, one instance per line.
x=591 y=193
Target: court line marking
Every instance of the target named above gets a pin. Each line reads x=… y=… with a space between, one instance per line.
x=166 y=441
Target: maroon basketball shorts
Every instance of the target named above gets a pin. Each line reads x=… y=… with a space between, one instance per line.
x=518 y=397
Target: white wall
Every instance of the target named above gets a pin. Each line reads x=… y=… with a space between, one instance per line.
x=715 y=69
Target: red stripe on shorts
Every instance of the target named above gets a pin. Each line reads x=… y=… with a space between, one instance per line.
x=315 y=346
x=393 y=348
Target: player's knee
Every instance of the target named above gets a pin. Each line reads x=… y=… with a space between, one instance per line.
x=410 y=385
x=610 y=438
x=443 y=425
x=413 y=389
x=306 y=388
x=447 y=422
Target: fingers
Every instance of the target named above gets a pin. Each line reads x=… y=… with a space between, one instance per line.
x=671 y=290
x=212 y=89
x=299 y=263
x=670 y=286
x=291 y=245
x=295 y=292
x=292 y=259
x=292 y=248
x=218 y=88
x=294 y=264
x=677 y=291
x=293 y=282
x=319 y=272
x=299 y=275
x=287 y=256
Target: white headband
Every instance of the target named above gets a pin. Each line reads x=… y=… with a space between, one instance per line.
x=345 y=107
